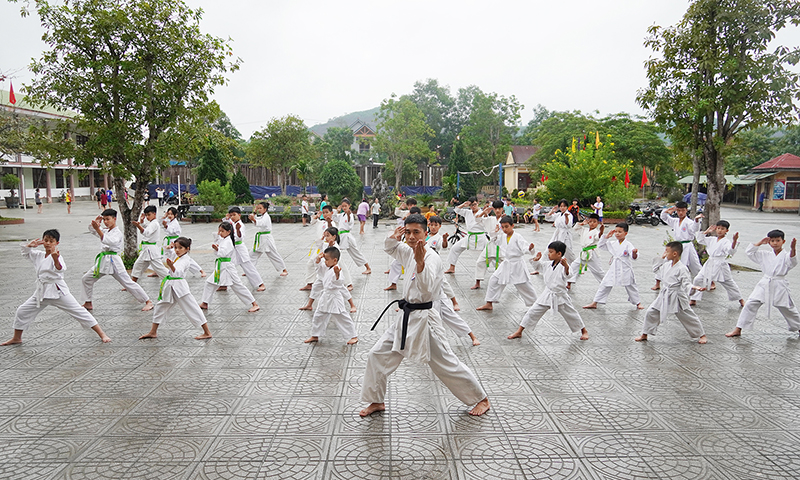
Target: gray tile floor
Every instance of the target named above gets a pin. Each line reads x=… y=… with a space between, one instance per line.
x=255 y=402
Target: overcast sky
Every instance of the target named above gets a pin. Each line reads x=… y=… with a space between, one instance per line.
x=320 y=59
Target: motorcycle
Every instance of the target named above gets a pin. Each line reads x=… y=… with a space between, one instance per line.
x=641 y=215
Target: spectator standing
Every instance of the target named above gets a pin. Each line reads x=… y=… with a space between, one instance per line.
x=38 y=200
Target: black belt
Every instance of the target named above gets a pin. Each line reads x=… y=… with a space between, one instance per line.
x=407 y=308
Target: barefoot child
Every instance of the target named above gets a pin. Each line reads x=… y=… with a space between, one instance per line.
x=331 y=302
x=240 y=255
x=621 y=270
x=476 y=235
x=513 y=269
x=587 y=259
x=673 y=297
x=438 y=243
x=50 y=289
x=716 y=268
x=554 y=296
x=225 y=271
x=493 y=251
x=330 y=240
x=108 y=262
x=175 y=291
x=264 y=244
x=321 y=221
x=346 y=221
x=417 y=334
x=537 y=209
x=683 y=230
x=172 y=230
x=773 y=288
x=149 y=253
x=562 y=221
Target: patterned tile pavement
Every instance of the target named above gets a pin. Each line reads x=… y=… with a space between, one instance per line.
x=255 y=402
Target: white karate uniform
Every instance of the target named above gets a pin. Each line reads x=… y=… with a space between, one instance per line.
x=554 y=297
x=587 y=256
x=317 y=287
x=683 y=231
x=425 y=342
x=332 y=305
x=225 y=274
x=149 y=252
x=401 y=216
x=620 y=272
x=171 y=232
x=772 y=289
x=716 y=268
x=319 y=225
x=347 y=239
x=51 y=289
x=436 y=243
x=512 y=271
x=493 y=252
x=264 y=244
x=110 y=264
x=475 y=240
x=562 y=221
x=676 y=282
x=241 y=256
x=175 y=291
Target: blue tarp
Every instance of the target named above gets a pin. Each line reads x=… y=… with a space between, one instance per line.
x=701 y=198
x=259 y=191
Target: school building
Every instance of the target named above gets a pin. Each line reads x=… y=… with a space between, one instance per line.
x=779 y=179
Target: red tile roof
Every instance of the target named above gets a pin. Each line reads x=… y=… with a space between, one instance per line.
x=787 y=161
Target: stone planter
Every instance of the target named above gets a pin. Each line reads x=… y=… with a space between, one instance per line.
x=11 y=221
x=12 y=202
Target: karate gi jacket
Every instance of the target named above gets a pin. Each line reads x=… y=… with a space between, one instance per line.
x=227 y=270
x=716 y=267
x=321 y=225
x=345 y=225
x=149 y=248
x=331 y=299
x=241 y=255
x=49 y=280
x=676 y=285
x=513 y=269
x=773 y=288
x=171 y=289
x=475 y=226
x=681 y=230
x=563 y=231
x=263 y=241
x=112 y=241
x=621 y=270
x=555 y=284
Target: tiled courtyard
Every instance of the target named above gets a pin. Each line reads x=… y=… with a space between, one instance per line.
x=255 y=402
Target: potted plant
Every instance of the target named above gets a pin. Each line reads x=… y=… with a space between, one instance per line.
x=286 y=216
x=11 y=181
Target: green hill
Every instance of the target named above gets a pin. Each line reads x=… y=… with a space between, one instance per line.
x=366 y=116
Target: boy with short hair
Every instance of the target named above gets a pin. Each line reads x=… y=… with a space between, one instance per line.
x=304 y=210
x=346 y=220
x=587 y=259
x=241 y=255
x=773 y=288
x=673 y=297
x=554 y=296
x=149 y=252
x=493 y=252
x=621 y=270
x=716 y=268
x=476 y=235
x=108 y=262
x=562 y=221
x=513 y=269
x=50 y=289
x=331 y=303
x=683 y=230
x=323 y=220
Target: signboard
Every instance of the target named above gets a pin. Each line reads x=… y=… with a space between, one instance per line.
x=779 y=190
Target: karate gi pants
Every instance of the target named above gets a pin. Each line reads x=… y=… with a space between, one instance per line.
x=382 y=362
x=345 y=324
x=274 y=257
x=593 y=266
x=140 y=265
x=187 y=303
x=748 y=316
x=729 y=285
x=451 y=318
x=481 y=266
x=358 y=258
x=689 y=320
x=567 y=310
x=122 y=278
x=461 y=246
x=238 y=288
x=395 y=270
x=495 y=290
x=633 y=294
x=27 y=312
x=448 y=289
x=249 y=269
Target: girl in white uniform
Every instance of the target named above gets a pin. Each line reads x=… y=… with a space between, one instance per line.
x=172 y=230
x=562 y=221
x=225 y=273
x=331 y=303
x=513 y=269
x=149 y=252
x=241 y=255
x=319 y=222
x=346 y=222
x=587 y=259
x=330 y=240
x=264 y=244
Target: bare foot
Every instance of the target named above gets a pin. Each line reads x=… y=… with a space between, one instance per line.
x=452 y=269
x=641 y=338
x=350 y=288
x=591 y=305
x=353 y=309
x=481 y=408
x=352 y=341
x=703 y=340
x=148 y=335
x=203 y=306
x=372 y=408
x=88 y=306
x=391 y=287
x=305 y=307
x=104 y=339
x=456 y=307
x=736 y=332
x=261 y=288
x=13 y=341
x=569 y=285
x=244 y=274
x=692 y=303
x=204 y=336
x=123 y=289
x=475 y=341
x=284 y=273
x=222 y=289
x=148 y=306
x=152 y=275
x=367 y=271
x=655 y=287
x=584 y=334
x=476 y=286
x=386 y=272
x=517 y=334
x=741 y=303
x=311 y=340
x=713 y=286
x=254 y=308
x=306 y=288
x=486 y=306
x=639 y=306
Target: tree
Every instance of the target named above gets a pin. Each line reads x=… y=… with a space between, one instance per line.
x=556 y=132
x=339 y=180
x=241 y=188
x=212 y=165
x=714 y=76
x=279 y=145
x=337 y=144
x=489 y=134
x=215 y=194
x=468 y=184
x=304 y=171
x=436 y=103
x=135 y=72
x=402 y=136
x=14 y=134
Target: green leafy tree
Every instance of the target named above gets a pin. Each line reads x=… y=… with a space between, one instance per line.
x=135 y=72
x=402 y=137
x=305 y=172
x=556 y=132
x=489 y=134
x=339 y=180
x=338 y=143
x=436 y=103
x=241 y=189
x=215 y=194
x=15 y=133
x=750 y=148
x=469 y=184
x=212 y=165
x=714 y=75
x=279 y=145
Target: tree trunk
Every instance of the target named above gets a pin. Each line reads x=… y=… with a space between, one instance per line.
x=716 y=183
x=695 y=182
x=398 y=174
x=128 y=229
x=284 y=180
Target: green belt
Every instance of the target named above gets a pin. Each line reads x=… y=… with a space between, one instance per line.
x=586 y=254
x=258 y=239
x=97 y=261
x=218 y=267
x=145 y=243
x=161 y=288
x=343 y=231
x=237 y=243
x=167 y=241
x=496 y=258
x=475 y=234
x=684 y=241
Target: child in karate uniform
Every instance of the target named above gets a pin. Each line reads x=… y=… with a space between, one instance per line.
x=491 y=224
x=438 y=242
x=241 y=256
x=50 y=289
x=321 y=221
x=673 y=297
x=683 y=230
x=149 y=251
x=621 y=270
x=108 y=262
x=172 y=230
x=475 y=239
x=264 y=244
x=716 y=268
x=513 y=269
x=554 y=296
x=225 y=272
x=331 y=302
x=588 y=259
x=562 y=221
x=175 y=291
x=773 y=288
x=330 y=240
x=346 y=222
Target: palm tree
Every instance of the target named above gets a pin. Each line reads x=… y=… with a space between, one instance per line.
x=304 y=172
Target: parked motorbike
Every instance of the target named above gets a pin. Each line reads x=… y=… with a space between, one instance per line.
x=641 y=215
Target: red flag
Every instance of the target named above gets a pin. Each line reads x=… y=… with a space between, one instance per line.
x=627 y=178
x=542 y=177
x=11 y=98
x=644 y=178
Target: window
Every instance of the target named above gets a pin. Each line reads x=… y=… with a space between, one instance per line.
x=81 y=140
x=792 y=191
x=363 y=147
x=60 y=178
x=98 y=178
x=39 y=177
x=83 y=178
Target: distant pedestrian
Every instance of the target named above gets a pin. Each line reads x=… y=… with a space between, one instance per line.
x=363 y=210
x=376 y=212
x=160 y=196
x=99 y=194
x=68 y=199
x=103 y=198
x=761 y=201
x=38 y=200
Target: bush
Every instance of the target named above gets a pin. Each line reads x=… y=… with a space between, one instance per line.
x=215 y=194
x=615 y=213
x=129 y=261
x=212 y=165
x=282 y=200
x=241 y=188
x=10 y=181
x=339 y=180
x=424 y=199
